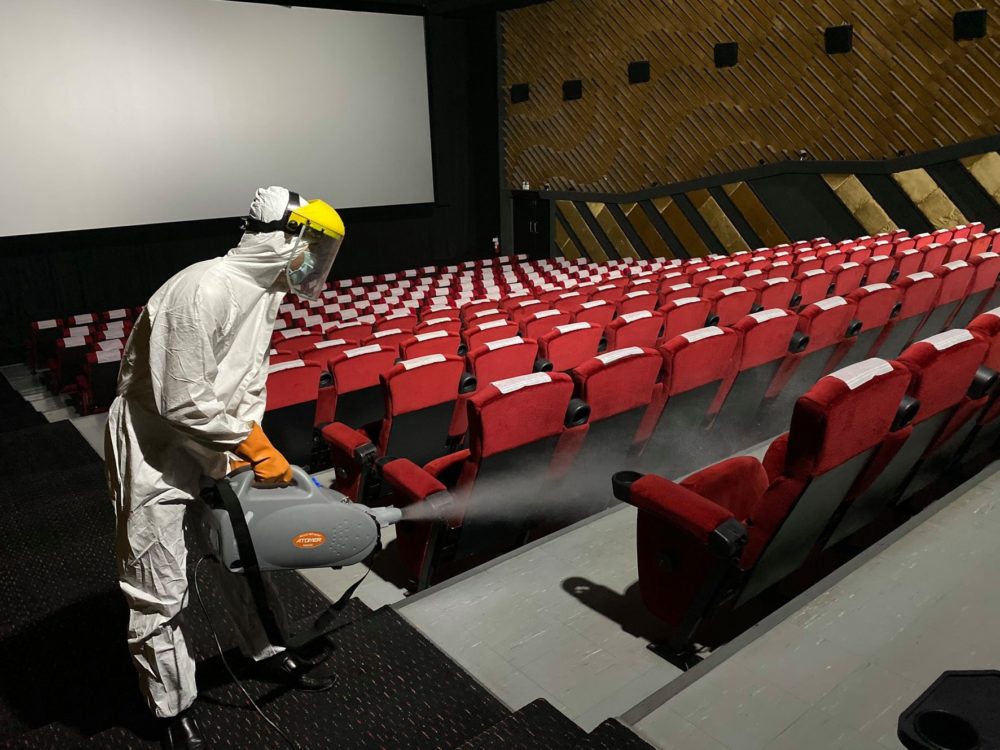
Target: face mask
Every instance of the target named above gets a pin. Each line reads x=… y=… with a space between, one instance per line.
x=297 y=276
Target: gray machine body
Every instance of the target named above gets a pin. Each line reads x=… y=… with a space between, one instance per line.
x=303 y=525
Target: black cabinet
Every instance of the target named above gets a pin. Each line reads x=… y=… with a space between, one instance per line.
x=531 y=223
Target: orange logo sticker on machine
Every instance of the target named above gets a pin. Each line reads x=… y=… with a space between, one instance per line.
x=309 y=539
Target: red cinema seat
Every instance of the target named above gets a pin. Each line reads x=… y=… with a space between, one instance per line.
x=608 y=292
x=918 y=292
x=495 y=330
x=275 y=357
x=987 y=327
x=680 y=290
x=950 y=387
x=525 y=309
x=469 y=309
x=359 y=402
x=979 y=243
x=731 y=303
x=451 y=325
x=99 y=381
x=636 y=301
x=846 y=278
x=827 y=324
x=733 y=530
x=350 y=331
x=696 y=365
x=404 y=321
x=290 y=410
x=908 y=262
x=685 y=314
x=434 y=342
x=294 y=340
x=813 y=286
x=776 y=293
x=875 y=305
x=390 y=337
x=322 y=352
x=982 y=288
x=767 y=337
x=635 y=329
x=959 y=249
x=956 y=278
x=420 y=397
x=714 y=284
x=539 y=323
x=598 y=311
x=490 y=514
x=568 y=345
x=933 y=256
x=435 y=312
x=879 y=269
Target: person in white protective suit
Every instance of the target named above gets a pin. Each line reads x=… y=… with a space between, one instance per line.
x=191 y=393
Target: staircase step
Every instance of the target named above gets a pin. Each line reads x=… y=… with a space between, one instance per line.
x=44 y=738
x=613 y=735
x=538 y=725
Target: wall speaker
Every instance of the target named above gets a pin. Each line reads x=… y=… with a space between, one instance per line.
x=572 y=90
x=970 y=24
x=727 y=54
x=638 y=72
x=519 y=92
x=839 y=39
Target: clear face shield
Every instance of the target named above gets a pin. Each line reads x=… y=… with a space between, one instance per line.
x=319 y=233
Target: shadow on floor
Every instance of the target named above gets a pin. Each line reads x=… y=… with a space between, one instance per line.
x=626 y=609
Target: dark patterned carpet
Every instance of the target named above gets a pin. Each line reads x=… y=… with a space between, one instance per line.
x=65 y=677
x=15 y=412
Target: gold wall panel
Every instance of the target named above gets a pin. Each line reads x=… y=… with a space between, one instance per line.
x=591 y=246
x=565 y=243
x=609 y=225
x=985 y=169
x=860 y=203
x=643 y=227
x=907 y=85
x=681 y=227
x=920 y=188
x=756 y=215
x=720 y=224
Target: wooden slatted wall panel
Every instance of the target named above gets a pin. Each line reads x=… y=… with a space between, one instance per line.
x=907 y=86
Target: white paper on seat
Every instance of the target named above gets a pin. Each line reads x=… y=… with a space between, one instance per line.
x=955 y=264
x=849 y=264
x=856 y=375
x=503 y=343
x=293 y=334
x=754 y=272
x=990 y=254
x=71 y=342
x=639 y=315
x=115 y=314
x=671 y=275
x=880 y=257
x=529 y=302
x=351 y=353
x=331 y=342
x=85 y=319
x=678 y=287
x=830 y=302
x=312 y=320
x=45 y=324
x=920 y=276
x=702 y=333
x=640 y=282
x=521 y=381
x=484 y=313
x=547 y=314
x=632 y=295
x=770 y=314
x=876 y=287
x=412 y=364
x=613 y=356
x=814 y=272
x=387 y=332
x=108 y=355
x=948 y=339
x=290 y=365
x=732 y=290
x=685 y=301
x=431 y=335
x=570 y=327
x=595 y=303
x=493 y=324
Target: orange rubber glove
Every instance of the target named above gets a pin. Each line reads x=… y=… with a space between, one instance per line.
x=269 y=466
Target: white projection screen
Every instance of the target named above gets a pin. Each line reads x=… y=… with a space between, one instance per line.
x=126 y=112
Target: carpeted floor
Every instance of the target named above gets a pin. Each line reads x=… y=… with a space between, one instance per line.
x=65 y=674
x=66 y=680
x=15 y=412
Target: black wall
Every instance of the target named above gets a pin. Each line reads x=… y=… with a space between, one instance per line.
x=54 y=275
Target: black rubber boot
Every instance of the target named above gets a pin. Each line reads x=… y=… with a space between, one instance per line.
x=182 y=733
x=287 y=669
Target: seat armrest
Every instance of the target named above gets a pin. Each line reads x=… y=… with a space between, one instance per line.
x=348 y=440
x=694 y=514
x=410 y=482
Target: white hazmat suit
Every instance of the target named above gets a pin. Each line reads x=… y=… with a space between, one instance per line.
x=192 y=384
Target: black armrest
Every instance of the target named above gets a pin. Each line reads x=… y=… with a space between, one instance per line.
x=798 y=343
x=462 y=349
x=853 y=328
x=621 y=483
x=796 y=300
x=578 y=412
x=542 y=365
x=467 y=383
x=728 y=538
x=984 y=382
x=907 y=410
x=712 y=319
x=895 y=310
x=326 y=380
x=756 y=308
